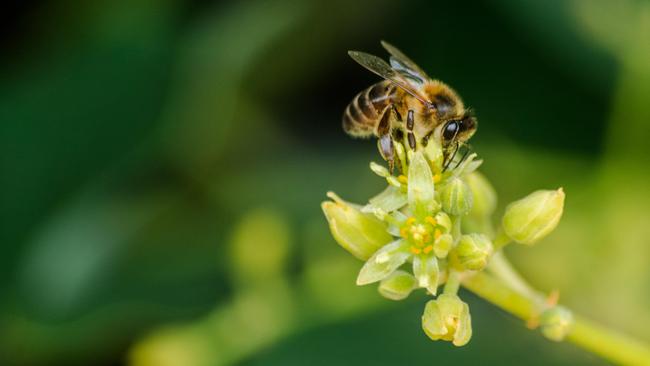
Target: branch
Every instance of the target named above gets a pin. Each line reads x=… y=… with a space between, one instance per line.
x=598 y=339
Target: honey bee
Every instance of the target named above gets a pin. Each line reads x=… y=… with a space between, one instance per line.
x=408 y=107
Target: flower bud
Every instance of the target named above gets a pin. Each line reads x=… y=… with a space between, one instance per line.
x=532 y=218
x=397 y=286
x=483 y=195
x=456 y=197
x=474 y=251
x=447 y=318
x=361 y=234
x=556 y=323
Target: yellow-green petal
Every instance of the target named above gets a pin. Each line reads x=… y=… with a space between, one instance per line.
x=432 y=321
x=464 y=329
x=397 y=286
x=384 y=262
x=426 y=272
x=389 y=200
x=420 y=186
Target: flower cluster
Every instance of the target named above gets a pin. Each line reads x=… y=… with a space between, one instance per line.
x=412 y=234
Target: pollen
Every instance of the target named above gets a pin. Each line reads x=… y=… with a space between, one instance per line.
x=427 y=249
x=437 y=177
x=404 y=233
x=415 y=250
x=420 y=233
x=431 y=220
x=402 y=179
x=437 y=233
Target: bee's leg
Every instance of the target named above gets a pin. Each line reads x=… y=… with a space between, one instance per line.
x=468 y=149
x=385 y=141
x=386 y=149
x=410 y=122
x=425 y=139
x=451 y=158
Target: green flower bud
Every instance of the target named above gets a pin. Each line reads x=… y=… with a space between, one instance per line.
x=456 y=197
x=474 y=251
x=532 y=218
x=397 y=286
x=447 y=318
x=361 y=234
x=556 y=323
x=483 y=195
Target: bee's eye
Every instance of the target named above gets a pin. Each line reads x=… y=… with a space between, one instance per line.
x=451 y=130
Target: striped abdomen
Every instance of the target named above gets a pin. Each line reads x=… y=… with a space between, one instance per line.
x=362 y=115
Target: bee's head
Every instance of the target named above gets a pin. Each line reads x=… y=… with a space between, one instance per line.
x=458 y=130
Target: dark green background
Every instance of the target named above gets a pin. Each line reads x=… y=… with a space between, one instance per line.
x=135 y=136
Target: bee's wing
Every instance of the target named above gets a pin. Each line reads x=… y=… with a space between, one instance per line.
x=402 y=63
x=381 y=68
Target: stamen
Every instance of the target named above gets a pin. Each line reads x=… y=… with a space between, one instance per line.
x=431 y=220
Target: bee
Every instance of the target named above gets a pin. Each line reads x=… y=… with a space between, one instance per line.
x=407 y=107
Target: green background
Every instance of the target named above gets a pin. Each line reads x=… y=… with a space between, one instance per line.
x=162 y=164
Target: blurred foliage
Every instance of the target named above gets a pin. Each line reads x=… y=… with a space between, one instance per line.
x=162 y=165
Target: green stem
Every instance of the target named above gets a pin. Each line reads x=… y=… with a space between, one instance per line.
x=609 y=344
x=452 y=284
x=501 y=240
x=501 y=268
